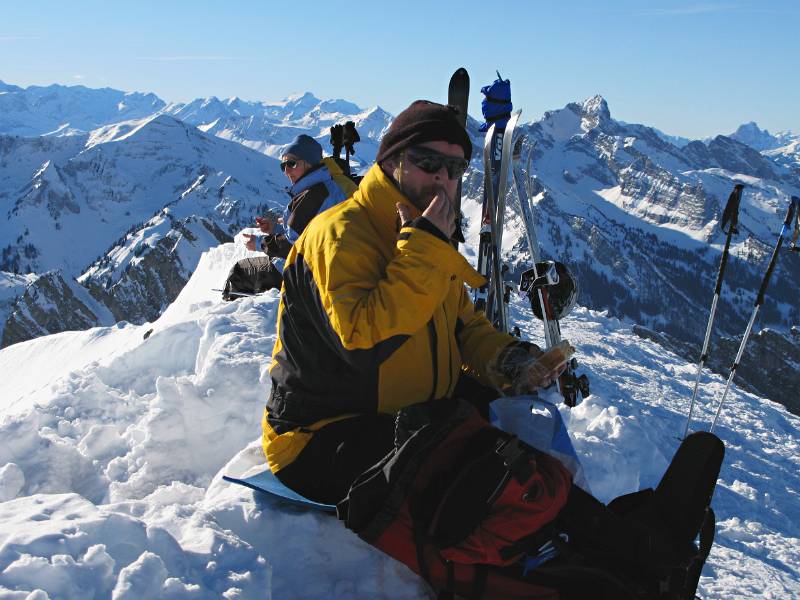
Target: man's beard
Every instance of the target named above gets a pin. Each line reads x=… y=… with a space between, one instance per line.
x=423 y=196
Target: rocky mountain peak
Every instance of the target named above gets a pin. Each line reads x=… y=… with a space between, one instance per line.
x=304 y=98
x=753 y=136
x=595 y=114
x=577 y=118
x=596 y=106
x=300 y=102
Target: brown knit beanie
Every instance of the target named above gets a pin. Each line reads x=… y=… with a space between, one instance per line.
x=424 y=121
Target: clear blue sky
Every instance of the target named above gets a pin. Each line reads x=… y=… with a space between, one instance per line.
x=688 y=68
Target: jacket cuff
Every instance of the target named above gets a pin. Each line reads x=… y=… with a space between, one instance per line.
x=425 y=225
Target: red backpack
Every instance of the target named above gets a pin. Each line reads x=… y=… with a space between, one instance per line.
x=478 y=513
x=459 y=501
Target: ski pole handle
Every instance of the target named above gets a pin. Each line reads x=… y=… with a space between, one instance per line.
x=793 y=205
x=730 y=216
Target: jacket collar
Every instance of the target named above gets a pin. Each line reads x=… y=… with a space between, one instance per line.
x=317 y=174
x=379 y=195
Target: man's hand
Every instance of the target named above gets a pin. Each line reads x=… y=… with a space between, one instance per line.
x=440 y=213
x=528 y=372
x=535 y=352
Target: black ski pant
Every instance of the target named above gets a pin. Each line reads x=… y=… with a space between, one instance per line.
x=339 y=452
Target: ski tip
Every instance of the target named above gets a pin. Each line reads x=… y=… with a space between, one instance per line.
x=459 y=74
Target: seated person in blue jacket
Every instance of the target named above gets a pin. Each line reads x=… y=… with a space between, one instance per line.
x=317 y=184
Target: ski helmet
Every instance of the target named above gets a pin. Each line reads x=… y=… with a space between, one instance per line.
x=562 y=296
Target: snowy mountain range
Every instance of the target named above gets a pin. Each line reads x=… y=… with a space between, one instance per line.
x=135 y=189
x=109 y=198
x=115 y=441
x=126 y=210
x=268 y=126
x=637 y=219
x=68 y=110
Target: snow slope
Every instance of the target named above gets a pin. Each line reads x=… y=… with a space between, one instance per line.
x=113 y=442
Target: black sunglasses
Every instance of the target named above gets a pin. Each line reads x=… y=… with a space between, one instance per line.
x=290 y=164
x=431 y=161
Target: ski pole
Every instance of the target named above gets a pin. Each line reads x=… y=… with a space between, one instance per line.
x=729 y=215
x=794 y=205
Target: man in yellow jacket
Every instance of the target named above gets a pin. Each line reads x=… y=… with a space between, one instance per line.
x=374 y=314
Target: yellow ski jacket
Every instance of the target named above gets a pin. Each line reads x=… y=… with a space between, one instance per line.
x=369 y=320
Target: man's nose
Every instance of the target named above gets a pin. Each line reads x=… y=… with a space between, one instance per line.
x=441 y=174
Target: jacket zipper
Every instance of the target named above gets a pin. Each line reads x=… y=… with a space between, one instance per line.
x=449 y=353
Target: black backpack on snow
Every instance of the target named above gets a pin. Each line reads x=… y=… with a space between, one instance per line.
x=251 y=276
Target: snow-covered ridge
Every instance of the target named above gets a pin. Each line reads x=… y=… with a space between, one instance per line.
x=119 y=179
x=265 y=126
x=91 y=194
x=114 y=441
x=269 y=126
x=67 y=110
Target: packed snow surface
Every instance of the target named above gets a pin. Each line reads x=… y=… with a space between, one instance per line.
x=113 y=442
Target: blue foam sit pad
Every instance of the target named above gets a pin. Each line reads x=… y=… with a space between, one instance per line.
x=266 y=482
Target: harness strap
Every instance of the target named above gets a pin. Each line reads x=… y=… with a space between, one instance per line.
x=451 y=576
x=419 y=544
x=516 y=458
x=479 y=582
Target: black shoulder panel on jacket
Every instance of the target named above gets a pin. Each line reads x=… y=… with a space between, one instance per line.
x=305 y=206
x=314 y=376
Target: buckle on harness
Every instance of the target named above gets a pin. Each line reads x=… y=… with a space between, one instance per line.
x=515 y=458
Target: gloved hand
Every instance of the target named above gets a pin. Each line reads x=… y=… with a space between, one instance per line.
x=527 y=368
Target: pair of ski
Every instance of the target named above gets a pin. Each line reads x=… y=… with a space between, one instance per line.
x=499 y=153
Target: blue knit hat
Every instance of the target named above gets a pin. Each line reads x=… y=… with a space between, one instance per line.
x=306 y=148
